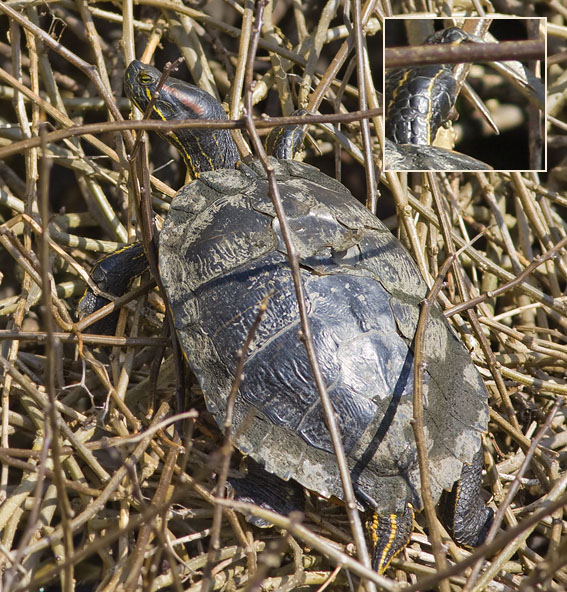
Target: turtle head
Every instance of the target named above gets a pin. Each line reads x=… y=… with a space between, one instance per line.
x=202 y=149
x=453 y=36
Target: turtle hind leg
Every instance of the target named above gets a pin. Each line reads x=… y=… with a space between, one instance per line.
x=390 y=534
x=465 y=514
x=266 y=490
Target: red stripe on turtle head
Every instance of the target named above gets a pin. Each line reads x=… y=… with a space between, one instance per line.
x=186 y=100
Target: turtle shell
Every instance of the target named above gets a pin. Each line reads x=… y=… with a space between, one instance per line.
x=221 y=253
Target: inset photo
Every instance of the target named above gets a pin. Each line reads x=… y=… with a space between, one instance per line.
x=464 y=94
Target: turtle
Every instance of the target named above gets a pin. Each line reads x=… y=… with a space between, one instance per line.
x=221 y=253
x=418 y=101
x=416 y=157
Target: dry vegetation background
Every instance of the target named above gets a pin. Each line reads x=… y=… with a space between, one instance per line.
x=94 y=492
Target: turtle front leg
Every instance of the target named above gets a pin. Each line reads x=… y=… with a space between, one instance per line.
x=112 y=274
x=390 y=534
x=466 y=516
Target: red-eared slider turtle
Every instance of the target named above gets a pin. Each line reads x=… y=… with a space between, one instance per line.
x=221 y=252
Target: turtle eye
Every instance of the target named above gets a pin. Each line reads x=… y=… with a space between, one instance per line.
x=144 y=77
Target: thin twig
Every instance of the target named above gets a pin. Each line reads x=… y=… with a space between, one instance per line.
x=418 y=422
x=519 y=280
x=307 y=336
x=166 y=126
x=228 y=445
x=396 y=57
x=505 y=504
x=52 y=349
